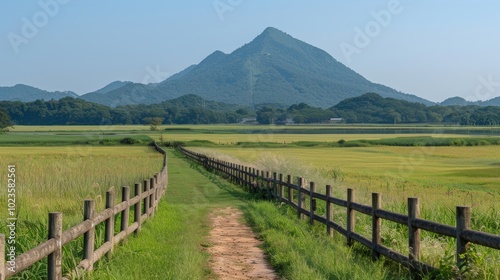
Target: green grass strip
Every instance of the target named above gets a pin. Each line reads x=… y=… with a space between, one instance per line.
x=170 y=246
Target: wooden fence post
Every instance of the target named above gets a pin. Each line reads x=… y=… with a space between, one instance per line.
x=376 y=225
x=255 y=176
x=242 y=175
x=137 y=208
x=234 y=172
x=275 y=185
x=54 y=260
x=268 y=186
x=350 y=216
x=290 y=190
x=156 y=196
x=146 y=199
x=413 y=236
x=152 y=186
x=2 y=257
x=258 y=185
x=281 y=188
x=329 y=212
x=89 y=236
x=463 y=224
x=299 y=197
x=126 y=211
x=245 y=177
x=110 y=222
x=312 y=202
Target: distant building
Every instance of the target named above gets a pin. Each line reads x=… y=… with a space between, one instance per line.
x=248 y=121
x=288 y=121
x=336 y=120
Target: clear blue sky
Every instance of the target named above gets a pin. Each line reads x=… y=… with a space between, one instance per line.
x=434 y=49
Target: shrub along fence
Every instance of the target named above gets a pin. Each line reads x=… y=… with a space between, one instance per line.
x=296 y=195
x=144 y=204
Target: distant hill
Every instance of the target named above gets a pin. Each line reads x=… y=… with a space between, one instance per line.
x=372 y=108
x=455 y=101
x=459 y=101
x=131 y=93
x=26 y=93
x=112 y=86
x=492 y=102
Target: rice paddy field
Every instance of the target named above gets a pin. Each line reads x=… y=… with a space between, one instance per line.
x=441 y=177
x=60 y=178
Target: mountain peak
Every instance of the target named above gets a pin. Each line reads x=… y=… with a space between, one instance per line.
x=272 y=31
x=274 y=34
x=213 y=58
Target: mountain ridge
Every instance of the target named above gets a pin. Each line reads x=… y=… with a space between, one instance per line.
x=25 y=93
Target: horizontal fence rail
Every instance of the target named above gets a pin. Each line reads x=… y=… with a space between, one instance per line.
x=144 y=204
x=276 y=187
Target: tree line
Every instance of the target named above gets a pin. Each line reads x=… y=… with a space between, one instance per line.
x=188 y=109
x=191 y=109
x=372 y=108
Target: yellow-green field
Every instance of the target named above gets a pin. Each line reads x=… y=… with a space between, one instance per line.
x=442 y=177
x=225 y=139
x=52 y=179
x=448 y=176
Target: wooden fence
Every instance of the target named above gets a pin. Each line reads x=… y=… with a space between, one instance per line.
x=144 y=204
x=296 y=195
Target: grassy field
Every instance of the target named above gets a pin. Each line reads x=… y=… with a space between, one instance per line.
x=442 y=177
x=58 y=179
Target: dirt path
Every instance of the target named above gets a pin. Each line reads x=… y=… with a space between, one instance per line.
x=235 y=252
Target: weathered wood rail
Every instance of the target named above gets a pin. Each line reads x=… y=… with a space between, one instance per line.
x=296 y=195
x=144 y=204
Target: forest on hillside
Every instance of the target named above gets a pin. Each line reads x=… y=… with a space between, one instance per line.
x=192 y=109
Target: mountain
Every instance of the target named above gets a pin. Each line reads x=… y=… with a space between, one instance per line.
x=131 y=93
x=492 y=102
x=26 y=93
x=112 y=86
x=456 y=101
x=459 y=101
x=275 y=68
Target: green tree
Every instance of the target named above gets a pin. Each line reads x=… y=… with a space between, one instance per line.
x=154 y=122
x=5 y=120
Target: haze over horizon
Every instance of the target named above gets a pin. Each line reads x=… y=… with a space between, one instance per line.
x=432 y=50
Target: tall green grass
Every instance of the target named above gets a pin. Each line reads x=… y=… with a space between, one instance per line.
x=59 y=179
x=299 y=251
x=437 y=204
